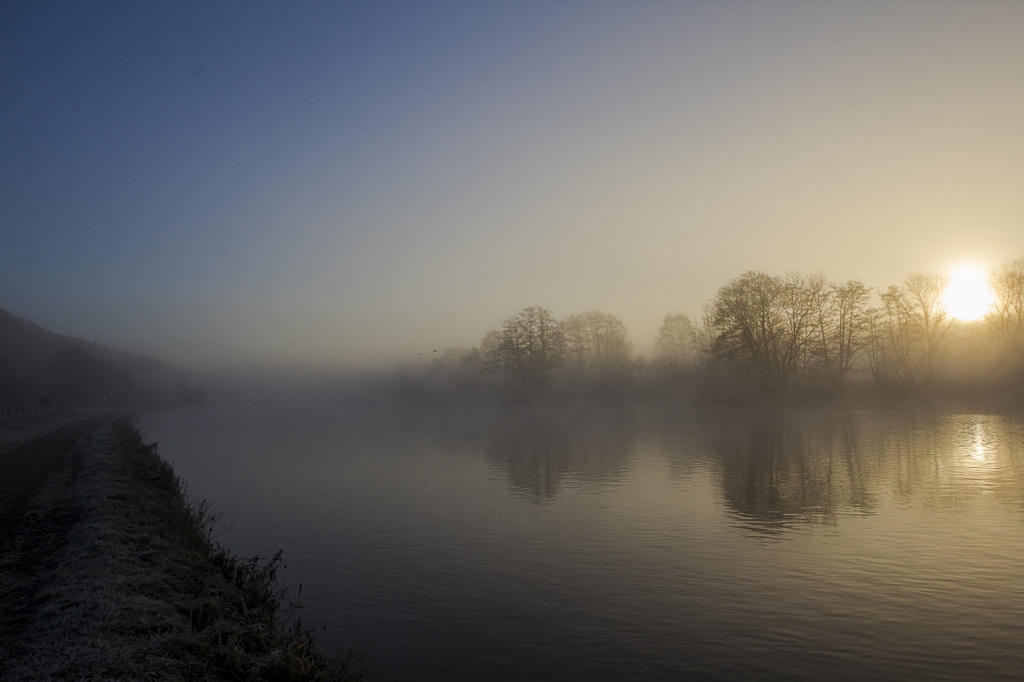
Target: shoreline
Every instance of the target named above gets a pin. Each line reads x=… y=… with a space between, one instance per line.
x=110 y=573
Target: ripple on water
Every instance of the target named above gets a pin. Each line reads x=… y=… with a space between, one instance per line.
x=636 y=546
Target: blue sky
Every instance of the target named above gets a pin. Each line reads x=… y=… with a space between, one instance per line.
x=352 y=183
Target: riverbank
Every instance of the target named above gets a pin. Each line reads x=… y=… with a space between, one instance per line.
x=109 y=573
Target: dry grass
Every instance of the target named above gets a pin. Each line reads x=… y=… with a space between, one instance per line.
x=141 y=591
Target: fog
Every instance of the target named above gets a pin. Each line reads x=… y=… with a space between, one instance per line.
x=580 y=340
x=343 y=188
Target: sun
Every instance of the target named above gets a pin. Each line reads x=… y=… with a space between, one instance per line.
x=968 y=296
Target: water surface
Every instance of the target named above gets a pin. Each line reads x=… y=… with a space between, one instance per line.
x=628 y=543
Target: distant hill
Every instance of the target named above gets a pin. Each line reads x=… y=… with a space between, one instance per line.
x=36 y=363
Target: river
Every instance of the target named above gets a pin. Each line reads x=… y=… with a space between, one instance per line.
x=639 y=543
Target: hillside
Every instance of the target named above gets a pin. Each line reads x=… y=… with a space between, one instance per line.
x=36 y=363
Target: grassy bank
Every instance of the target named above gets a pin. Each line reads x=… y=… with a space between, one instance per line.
x=139 y=589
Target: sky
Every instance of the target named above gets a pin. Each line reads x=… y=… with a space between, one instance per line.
x=351 y=184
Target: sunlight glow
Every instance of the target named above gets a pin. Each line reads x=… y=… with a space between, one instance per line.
x=968 y=296
x=979 y=451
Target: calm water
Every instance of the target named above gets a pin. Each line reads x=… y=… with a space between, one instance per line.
x=630 y=544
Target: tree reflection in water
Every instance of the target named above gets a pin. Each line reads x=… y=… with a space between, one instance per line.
x=780 y=469
x=547 y=449
x=776 y=469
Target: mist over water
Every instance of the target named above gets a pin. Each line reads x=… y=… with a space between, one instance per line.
x=493 y=306
x=628 y=542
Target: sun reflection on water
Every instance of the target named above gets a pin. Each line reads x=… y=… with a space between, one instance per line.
x=981 y=455
x=979 y=452
x=782 y=473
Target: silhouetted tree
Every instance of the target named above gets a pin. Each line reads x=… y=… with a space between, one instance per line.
x=704 y=334
x=528 y=347
x=1006 y=318
x=596 y=345
x=812 y=362
x=490 y=353
x=840 y=321
x=675 y=346
x=762 y=323
x=890 y=339
x=907 y=332
x=929 y=318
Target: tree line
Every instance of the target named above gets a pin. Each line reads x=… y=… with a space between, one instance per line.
x=762 y=333
x=793 y=331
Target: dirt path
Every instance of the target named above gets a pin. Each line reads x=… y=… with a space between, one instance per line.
x=37 y=511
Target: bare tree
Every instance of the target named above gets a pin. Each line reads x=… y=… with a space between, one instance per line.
x=892 y=342
x=851 y=321
x=875 y=352
x=528 y=347
x=763 y=323
x=814 y=361
x=1006 y=318
x=840 y=326
x=596 y=345
x=929 y=317
x=906 y=333
x=490 y=352
x=704 y=335
x=675 y=346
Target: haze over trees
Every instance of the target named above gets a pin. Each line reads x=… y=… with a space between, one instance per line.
x=840 y=322
x=597 y=346
x=766 y=335
x=908 y=330
x=529 y=347
x=760 y=325
x=675 y=346
x=1007 y=314
x=794 y=331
